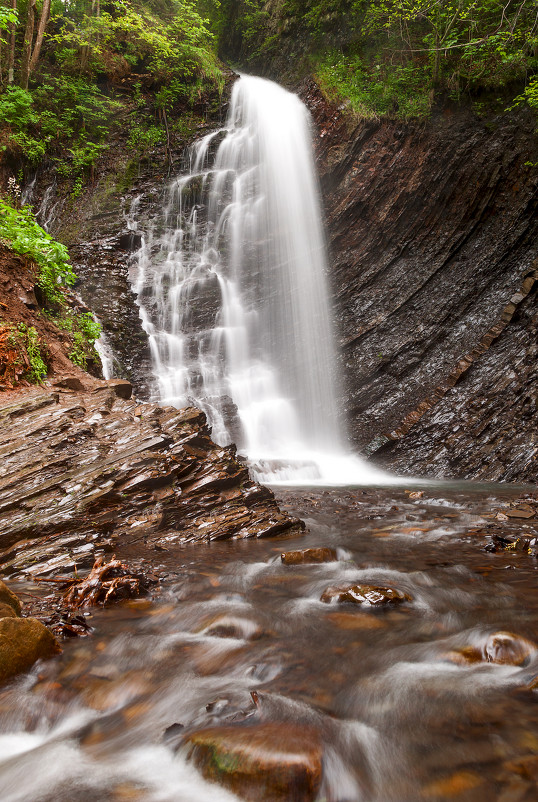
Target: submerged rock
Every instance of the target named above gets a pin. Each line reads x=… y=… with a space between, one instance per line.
x=508 y=649
x=372 y=595
x=322 y=554
x=501 y=648
x=274 y=762
x=231 y=626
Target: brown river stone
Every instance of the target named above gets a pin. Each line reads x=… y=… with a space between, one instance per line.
x=22 y=642
x=373 y=595
x=273 y=762
x=303 y=556
x=501 y=648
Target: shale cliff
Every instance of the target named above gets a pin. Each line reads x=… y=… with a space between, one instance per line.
x=433 y=236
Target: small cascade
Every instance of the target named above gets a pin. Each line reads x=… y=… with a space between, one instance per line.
x=233 y=294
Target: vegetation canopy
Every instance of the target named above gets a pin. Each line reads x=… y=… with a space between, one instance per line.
x=394 y=56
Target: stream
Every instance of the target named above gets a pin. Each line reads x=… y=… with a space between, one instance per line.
x=401 y=712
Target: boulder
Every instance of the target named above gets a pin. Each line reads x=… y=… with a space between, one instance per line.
x=7 y=597
x=274 y=762
x=6 y=611
x=69 y=383
x=372 y=595
x=22 y=642
x=121 y=387
x=322 y=554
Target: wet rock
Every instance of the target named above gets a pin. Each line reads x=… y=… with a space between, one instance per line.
x=9 y=599
x=373 y=595
x=69 y=383
x=173 y=733
x=22 y=642
x=512 y=542
x=455 y=785
x=273 y=762
x=81 y=471
x=520 y=513
x=501 y=648
x=304 y=556
x=6 y=611
x=437 y=297
x=508 y=649
x=121 y=387
x=228 y=626
x=130 y=241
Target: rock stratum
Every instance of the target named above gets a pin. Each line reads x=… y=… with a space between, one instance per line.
x=433 y=235
x=88 y=472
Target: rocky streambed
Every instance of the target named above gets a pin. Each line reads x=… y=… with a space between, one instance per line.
x=244 y=675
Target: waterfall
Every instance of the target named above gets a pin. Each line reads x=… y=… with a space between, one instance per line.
x=233 y=293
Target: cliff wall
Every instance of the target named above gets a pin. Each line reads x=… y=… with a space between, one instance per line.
x=433 y=236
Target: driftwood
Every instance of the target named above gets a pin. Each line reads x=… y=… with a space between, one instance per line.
x=106 y=582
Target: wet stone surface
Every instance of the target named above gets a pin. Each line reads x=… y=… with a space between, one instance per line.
x=232 y=675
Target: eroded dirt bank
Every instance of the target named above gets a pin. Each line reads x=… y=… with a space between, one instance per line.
x=433 y=237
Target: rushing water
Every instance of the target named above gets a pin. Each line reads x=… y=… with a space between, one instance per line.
x=234 y=297
x=400 y=721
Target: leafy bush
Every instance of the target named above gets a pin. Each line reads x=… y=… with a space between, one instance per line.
x=22 y=356
x=30 y=338
x=23 y=234
x=84 y=331
x=386 y=89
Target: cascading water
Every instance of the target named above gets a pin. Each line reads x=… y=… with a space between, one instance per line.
x=234 y=298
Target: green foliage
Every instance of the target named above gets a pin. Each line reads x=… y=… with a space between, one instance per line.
x=168 y=39
x=7 y=17
x=386 y=89
x=16 y=107
x=20 y=230
x=30 y=341
x=17 y=111
x=84 y=331
x=67 y=115
x=142 y=138
x=390 y=56
x=529 y=96
x=21 y=354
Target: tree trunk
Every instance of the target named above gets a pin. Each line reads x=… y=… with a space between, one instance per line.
x=11 y=55
x=27 y=48
x=45 y=14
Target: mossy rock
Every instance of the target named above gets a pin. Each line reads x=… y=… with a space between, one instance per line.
x=276 y=762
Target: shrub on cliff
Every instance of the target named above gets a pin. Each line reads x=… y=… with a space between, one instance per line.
x=22 y=353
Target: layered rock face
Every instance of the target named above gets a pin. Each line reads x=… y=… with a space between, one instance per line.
x=85 y=473
x=434 y=238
